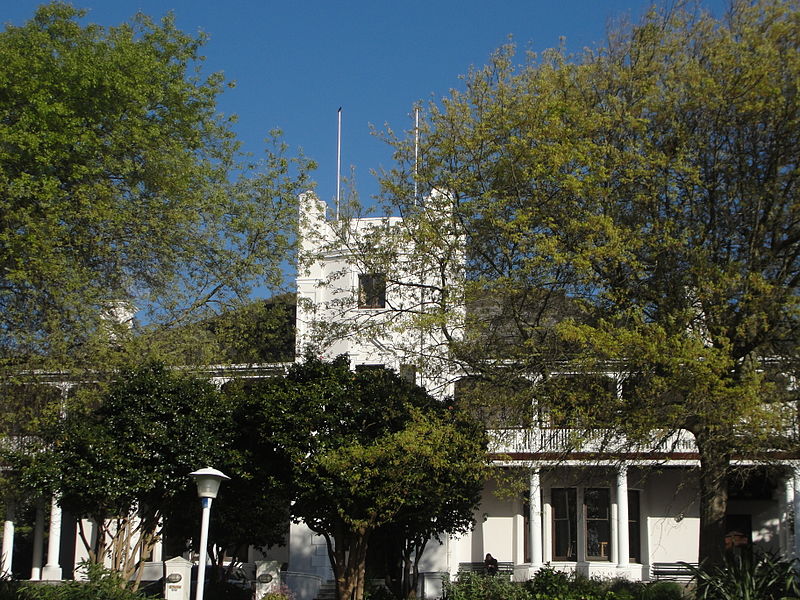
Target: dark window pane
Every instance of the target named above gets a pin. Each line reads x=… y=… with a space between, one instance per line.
x=634 y=529
x=597 y=508
x=372 y=290
x=565 y=523
x=597 y=505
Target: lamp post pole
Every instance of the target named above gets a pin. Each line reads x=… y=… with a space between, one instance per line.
x=207 y=481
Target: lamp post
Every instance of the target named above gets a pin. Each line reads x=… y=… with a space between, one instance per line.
x=207 y=481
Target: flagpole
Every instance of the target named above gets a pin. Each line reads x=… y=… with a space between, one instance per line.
x=339 y=163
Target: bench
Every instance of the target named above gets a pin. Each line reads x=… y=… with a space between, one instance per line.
x=503 y=568
x=672 y=571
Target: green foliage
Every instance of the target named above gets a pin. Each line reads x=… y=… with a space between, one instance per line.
x=551 y=584
x=474 y=586
x=548 y=583
x=748 y=574
x=444 y=503
x=284 y=593
x=101 y=584
x=632 y=206
x=368 y=449
x=8 y=588
x=130 y=451
x=119 y=188
x=367 y=445
x=663 y=590
x=123 y=451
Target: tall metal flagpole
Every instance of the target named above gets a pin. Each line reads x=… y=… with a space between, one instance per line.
x=416 y=152
x=339 y=163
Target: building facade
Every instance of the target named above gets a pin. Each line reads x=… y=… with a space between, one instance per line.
x=593 y=503
x=590 y=503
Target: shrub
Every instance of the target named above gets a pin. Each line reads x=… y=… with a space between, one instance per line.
x=474 y=586
x=549 y=584
x=748 y=574
x=101 y=584
x=284 y=593
x=663 y=590
x=625 y=589
x=8 y=588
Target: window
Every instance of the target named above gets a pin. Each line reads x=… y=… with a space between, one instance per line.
x=634 y=527
x=372 y=290
x=597 y=509
x=596 y=525
x=565 y=523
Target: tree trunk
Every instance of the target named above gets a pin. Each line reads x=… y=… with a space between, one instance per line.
x=350 y=553
x=414 y=583
x=360 y=565
x=339 y=563
x=408 y=548
x=714 y=468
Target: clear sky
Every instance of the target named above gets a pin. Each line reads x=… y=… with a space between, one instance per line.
x=296 y=62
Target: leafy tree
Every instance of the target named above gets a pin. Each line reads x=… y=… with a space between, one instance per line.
x=259 y=332
x=119 y=190
x=125 y=462
x=633 y=206
x=367 y=449
x=254 y=510
x=446 y=507
x=122 y=195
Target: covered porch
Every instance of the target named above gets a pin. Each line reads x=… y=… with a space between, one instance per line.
x=619 y=519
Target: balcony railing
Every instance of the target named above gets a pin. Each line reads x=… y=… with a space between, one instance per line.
x=593 y=441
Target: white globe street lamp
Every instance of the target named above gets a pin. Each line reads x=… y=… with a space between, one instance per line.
x=207 y=481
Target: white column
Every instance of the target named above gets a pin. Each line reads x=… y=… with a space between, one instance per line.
x=796 y=508
x=52 y=570
x=8 y=540
x=38 y=543
x=535 y=519
x=580 y=554
x=785 y=501
x=547 y=526
x=519 y=540
x=623 y=550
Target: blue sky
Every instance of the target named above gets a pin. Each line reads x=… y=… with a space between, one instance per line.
x=295 y=63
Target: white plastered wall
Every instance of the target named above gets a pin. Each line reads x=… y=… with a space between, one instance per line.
x=673 y=521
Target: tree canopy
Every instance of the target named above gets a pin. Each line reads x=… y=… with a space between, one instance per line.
x=635 y=206
x=122 y=190
x=368 y=448
x=122 y=458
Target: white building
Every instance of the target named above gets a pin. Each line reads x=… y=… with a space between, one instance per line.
x=598 y=506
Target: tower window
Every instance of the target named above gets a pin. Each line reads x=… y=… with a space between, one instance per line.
x=372 y=290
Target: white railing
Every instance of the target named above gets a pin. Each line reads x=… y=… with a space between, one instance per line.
x=562 y=441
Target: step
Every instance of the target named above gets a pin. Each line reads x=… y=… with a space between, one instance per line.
x=327 y=591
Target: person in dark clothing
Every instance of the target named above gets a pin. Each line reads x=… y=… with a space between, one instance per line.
x=490 y=562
